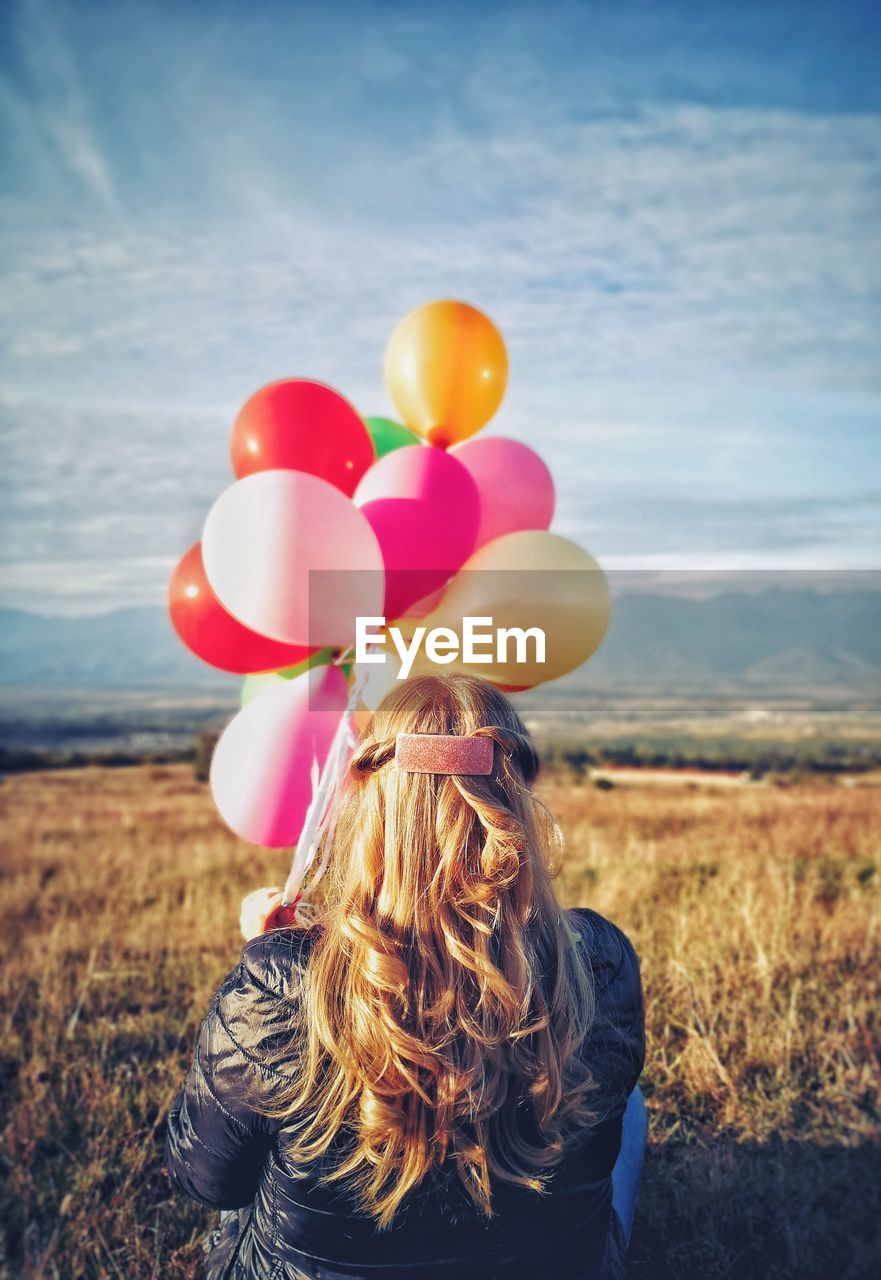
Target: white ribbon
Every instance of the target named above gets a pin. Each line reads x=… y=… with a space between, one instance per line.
x=321 y=814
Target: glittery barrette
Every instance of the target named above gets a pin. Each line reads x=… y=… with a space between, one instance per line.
x=443 y=753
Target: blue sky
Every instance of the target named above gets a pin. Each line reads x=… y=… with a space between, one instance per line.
x=671 y=211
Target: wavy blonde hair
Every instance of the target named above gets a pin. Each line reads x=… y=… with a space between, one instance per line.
x=444 y=1006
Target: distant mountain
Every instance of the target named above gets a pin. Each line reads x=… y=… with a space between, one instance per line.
x=768 y=642
x=128 y=649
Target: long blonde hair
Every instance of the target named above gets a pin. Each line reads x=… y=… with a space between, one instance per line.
x=443 y=996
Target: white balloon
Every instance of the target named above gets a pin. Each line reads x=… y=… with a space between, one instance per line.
x=262 y=538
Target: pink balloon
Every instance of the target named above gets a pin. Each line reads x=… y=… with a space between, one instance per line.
x=424 y=508
x=261 y=770
x=515 y=487
x=261 y=539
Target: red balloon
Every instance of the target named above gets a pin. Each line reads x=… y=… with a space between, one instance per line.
x=298 y=425
x=216 y=636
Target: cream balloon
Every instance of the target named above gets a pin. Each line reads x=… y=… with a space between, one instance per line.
x=525 y=580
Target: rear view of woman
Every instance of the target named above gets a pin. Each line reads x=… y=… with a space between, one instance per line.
x=435 y=1080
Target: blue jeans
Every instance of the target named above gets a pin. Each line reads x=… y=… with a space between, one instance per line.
x=628 y=1166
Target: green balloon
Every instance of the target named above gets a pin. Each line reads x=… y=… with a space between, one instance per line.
x=388 y=435
x=320 y=658
x=255 y=685
x=262 y=681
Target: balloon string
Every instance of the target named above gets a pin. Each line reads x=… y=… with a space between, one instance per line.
x=324 y=791
x=327 y=845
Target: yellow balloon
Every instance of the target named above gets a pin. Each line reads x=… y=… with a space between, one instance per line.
x=531 y=579
x=446 y=368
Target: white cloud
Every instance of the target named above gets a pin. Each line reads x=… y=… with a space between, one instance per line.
x=689 y=294
x=55 y=115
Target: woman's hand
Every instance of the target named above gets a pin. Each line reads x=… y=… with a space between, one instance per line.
x=262 y=910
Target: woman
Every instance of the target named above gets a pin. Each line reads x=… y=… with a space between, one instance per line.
x=433 y=1081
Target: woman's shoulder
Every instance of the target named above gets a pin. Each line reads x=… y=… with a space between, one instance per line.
x=613 y=959
x=272 y=959
x=617 y=1038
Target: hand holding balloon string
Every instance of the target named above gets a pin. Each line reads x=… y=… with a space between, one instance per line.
x=276 y=908
x=263 y=909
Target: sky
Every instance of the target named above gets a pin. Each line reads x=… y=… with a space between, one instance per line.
x=670 y=210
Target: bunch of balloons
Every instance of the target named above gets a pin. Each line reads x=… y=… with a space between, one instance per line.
x=412 y=507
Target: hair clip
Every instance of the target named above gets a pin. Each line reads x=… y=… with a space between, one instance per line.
x=443 y=753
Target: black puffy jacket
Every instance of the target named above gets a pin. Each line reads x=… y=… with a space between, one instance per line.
x=222 y=1153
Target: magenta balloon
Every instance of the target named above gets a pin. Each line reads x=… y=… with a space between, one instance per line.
x=424 y=508
x=261 y=539
x=262 y=765
x=515 y=487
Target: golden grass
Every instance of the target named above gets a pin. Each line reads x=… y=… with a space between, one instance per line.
x=755 y=912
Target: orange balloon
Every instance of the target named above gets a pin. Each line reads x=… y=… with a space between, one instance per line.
x=445 y=369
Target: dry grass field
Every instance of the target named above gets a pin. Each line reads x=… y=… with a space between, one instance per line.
x=756 y=914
